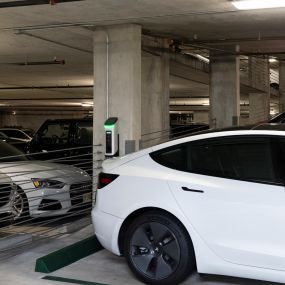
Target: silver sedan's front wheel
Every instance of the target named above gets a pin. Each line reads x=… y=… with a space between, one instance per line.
x=19 y=205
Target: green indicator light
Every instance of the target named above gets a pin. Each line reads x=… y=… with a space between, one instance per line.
x=109 y=127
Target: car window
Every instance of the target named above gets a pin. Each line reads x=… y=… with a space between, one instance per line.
x=209 y=159
x=8 y=153
x=172 y=157
x=249 y=159
x=15 y=134
x=55 y=133
x=256 y=159
x=3 y=136
x=84 y=133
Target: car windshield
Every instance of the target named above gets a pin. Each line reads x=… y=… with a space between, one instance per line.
x=29 y=132
x=3 y=136
x=8 y=153
x=15 y=134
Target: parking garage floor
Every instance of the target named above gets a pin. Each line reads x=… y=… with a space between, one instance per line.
x=101 y=268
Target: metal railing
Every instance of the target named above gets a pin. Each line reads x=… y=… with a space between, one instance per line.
x=174 y=132
x=40 y=199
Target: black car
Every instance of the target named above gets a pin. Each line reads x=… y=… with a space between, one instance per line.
x=64 y=140
x=21 y=145
x=278 y=119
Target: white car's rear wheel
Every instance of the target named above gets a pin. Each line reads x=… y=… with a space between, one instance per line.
x=158 y=249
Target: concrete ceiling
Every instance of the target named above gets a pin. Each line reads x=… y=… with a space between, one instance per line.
x=64 y=32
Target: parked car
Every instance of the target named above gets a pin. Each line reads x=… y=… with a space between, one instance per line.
x=278 y=119
x=21 y=145
x=16 y=134
x=66 y=140
x=214 y=201
x=6 y=184
x=40 y=189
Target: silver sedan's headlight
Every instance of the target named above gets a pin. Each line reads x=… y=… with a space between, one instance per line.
x=47 y=183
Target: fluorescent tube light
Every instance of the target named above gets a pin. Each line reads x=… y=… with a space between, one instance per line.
x=86 y=105
x=272 y=60
x=258 y=4
x=198 y=56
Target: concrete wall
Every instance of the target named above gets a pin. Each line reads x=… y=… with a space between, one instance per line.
x=259 y=102
x=201 y=117
x=155 y=96
x=224 y=91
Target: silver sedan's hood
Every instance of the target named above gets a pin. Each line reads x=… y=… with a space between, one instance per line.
x=40 y=169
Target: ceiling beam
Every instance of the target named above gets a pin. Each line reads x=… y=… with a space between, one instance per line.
x=22 y=3
x=45 y=87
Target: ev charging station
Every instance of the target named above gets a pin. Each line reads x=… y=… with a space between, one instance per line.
x=112 y=137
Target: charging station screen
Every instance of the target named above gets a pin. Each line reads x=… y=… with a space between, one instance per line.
x=108 y=142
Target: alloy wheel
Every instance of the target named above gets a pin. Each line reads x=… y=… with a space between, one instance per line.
x=17 y=204
x=154 y=250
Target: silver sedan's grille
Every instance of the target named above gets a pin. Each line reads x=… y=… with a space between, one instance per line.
x=78 y=190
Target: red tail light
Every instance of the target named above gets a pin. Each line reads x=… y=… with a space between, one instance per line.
x=105 y=178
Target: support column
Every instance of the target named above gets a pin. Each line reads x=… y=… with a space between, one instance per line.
x=259 y=78
x=224 y=91
x=259 y=107
x=282 y=86
x=117 y=91
x=155 y=98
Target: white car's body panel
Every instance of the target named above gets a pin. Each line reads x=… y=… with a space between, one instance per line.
x=236 y=227
x=236 y=219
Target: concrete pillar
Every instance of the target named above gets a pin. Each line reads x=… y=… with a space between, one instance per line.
x=259 y=101
x=117 y=91
x=259 y=107
x=224 y=91
x=155 y=98
x=282 y=86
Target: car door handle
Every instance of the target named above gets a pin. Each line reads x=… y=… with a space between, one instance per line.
x=191 y=190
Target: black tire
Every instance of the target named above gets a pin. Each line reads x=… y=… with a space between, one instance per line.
x=158 y=249
x=19 y=206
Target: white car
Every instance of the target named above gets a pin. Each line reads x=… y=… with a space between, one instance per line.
x=213 y=201
x=38 y=188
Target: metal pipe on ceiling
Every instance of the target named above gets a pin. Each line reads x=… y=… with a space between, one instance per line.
x=22 y=32
x=45 y=87
x=23 y=3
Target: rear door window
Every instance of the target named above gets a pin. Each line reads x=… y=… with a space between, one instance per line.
x=84 y=133
x=255 y=159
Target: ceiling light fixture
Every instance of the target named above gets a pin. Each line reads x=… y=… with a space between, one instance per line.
x=272 y=60
x=258 y=4
x=86 y=105
x=198 y=56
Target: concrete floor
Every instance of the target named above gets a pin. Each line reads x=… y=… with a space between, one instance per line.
x=101 y=267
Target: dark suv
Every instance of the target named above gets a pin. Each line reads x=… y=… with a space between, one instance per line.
x=64 y=140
